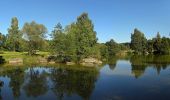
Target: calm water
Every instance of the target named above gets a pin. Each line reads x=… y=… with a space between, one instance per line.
x=123 y=80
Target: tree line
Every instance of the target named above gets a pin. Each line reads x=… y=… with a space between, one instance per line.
x=75 y=41
x=157 y=45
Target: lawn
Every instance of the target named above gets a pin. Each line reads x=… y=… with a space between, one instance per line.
x=10 y=55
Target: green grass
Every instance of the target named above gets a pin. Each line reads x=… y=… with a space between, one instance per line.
x=10 y=55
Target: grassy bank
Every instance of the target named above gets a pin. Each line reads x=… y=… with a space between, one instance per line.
x=24 y=55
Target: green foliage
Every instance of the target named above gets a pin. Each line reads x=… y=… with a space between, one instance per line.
x=138 y=42
x=161 y=45
x=150 y=48
x=164 y=46
x=14 y=36
x=104 y=52
x=62 y=44
x=2 y=41
x=157 y=44
x=113 y=47
x=34 y=35
x=76 y=41
x=85 y=36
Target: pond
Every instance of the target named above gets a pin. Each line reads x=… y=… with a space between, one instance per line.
x=124 y=79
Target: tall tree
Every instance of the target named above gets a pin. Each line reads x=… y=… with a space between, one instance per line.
x=76 y=41
x=138 y=42
x=14 y=35
x=157 y=44
x=85 y=36
x=58 y=44
x=34 y=34
x=57 y=38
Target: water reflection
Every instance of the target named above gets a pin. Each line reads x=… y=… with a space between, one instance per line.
x=62 y=81
x=112 y=62
x=36 y=83
x=138 y=66
x=66 y=82
x=140 y=63
x=69 y=82
x=17 y=79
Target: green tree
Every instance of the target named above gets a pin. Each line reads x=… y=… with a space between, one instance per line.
x=2 y=41
x=150 y=48
x=104 y=52
x=76 y=41
x=138 y=42
x=157 y=44
x=57 y=39
x=14 y=35
x=34 y=34
x=164 y=46
x=85 y=37
x=59 y=43
x=113 y=48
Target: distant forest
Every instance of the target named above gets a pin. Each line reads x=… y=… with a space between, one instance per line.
x=77 y=41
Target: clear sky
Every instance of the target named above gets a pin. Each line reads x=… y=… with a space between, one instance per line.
x=112 y=18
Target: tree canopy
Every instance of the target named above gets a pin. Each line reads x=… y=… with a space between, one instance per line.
x=34 y=34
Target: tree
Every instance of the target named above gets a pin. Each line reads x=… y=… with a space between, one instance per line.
x=104 y=52
x=2 y=41
x=59 y=43
x=57 y=37
x=150 y=48
x=113 y=48
x=157 y=44
x=34 y=34
x=76 y=41
x=85 y=37
x=14 y=35
x=164 y=46
x=138 y=42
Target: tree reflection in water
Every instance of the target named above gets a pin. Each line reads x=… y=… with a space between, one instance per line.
x=112 y=61
x=16 y=80
x=140 y=63
x=36 y=83
x=69 y=81
x=73 y=81
x=65 y=81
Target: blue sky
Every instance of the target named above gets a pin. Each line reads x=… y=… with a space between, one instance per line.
x=114 y=19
